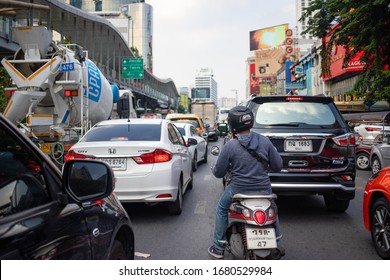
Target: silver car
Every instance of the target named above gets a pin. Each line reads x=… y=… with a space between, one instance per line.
x=380 y=153
x=199 y=151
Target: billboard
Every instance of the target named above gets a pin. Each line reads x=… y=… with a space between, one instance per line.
x=254 y=85
x=267 y=38
x=200 y=93
x=269 y=61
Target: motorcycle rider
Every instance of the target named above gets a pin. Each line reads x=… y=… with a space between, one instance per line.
x=248 y=174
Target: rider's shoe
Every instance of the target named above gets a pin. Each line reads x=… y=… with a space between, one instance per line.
x=215 y=252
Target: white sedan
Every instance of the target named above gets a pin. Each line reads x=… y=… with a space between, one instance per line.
x=150 y=159
x=198 y=151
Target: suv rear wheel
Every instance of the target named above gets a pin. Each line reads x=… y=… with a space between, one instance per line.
x=335 y=205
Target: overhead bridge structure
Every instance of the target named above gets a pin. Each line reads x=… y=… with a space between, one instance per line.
x=105 y=46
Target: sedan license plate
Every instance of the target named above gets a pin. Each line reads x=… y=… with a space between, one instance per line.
x=298 y=146
x=260 y=238
x=116 y=163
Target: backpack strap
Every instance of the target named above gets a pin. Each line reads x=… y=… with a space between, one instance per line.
x=257 y=156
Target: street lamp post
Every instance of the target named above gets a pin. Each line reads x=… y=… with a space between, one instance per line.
x=236 y=91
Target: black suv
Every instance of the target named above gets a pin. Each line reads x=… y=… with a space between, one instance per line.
x=317 y=147
x=47 y=215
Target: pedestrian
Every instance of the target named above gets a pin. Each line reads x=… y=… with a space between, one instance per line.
x=248 y=174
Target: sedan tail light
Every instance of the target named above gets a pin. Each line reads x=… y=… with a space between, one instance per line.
x=156 y=156
x=368 y=128
x=348 y=139
x=72 y=155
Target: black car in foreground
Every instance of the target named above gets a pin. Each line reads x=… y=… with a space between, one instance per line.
x=317 y=146
x=47 y=215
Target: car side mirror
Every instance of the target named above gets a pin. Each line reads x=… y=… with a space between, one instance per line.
x=192 y=142
x=87 y=180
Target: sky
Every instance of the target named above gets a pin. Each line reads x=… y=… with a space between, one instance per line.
x=193 y=34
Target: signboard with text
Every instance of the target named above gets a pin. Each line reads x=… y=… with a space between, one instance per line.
x=132 y=68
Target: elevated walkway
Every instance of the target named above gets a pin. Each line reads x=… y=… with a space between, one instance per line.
x=105 y=45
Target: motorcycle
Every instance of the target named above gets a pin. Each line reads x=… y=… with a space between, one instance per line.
x=251 y=232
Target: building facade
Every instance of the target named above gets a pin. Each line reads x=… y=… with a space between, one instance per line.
x=227 y=102
x=132 y=18
x=300 y=6
x=206 y=88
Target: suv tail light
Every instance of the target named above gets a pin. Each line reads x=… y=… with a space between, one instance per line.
x=72 y=155
x=156 y=156
x=348 y=139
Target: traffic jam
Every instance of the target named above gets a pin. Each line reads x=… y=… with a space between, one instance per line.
x=76 y=150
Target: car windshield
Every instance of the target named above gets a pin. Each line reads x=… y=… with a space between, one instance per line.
x=124 y=132
x=294 y=113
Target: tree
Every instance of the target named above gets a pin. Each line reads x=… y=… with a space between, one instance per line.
x=5 y=81
x=181 y=109
x=363 y=25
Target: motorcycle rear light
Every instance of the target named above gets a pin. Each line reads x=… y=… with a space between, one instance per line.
x=259 y=217
x=348 y=139
x=246 y=213
x=271 y=214
x=72 y=155
x=157 y=156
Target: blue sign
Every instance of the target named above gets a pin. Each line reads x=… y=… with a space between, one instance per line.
x=94 y=82
x=66 y=67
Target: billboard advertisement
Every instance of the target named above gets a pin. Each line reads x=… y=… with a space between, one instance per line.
x=254 y=85
x=267 y=38
x=263 y=71
x=269 y=61
x=200 y=93
x=290 y=80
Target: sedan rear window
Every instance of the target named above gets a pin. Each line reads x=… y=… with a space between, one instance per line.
x=124 y=132
x=182 y=131
x=294 y=113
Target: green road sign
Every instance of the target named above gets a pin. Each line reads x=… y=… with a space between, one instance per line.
x=132 y=68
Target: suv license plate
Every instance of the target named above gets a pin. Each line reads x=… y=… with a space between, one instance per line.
x=298 y=146
x=115 y=163
x=260 y=238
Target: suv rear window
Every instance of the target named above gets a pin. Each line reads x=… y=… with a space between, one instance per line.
x=294 y=113
x=124 y=132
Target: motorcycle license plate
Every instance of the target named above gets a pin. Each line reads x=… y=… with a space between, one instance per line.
x=260 y=238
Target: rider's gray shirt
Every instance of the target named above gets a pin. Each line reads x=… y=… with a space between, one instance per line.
x=248 y=174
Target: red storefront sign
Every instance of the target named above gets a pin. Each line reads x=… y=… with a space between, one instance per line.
x=337 y=58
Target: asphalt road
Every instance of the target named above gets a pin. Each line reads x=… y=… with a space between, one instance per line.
x=309 y=231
